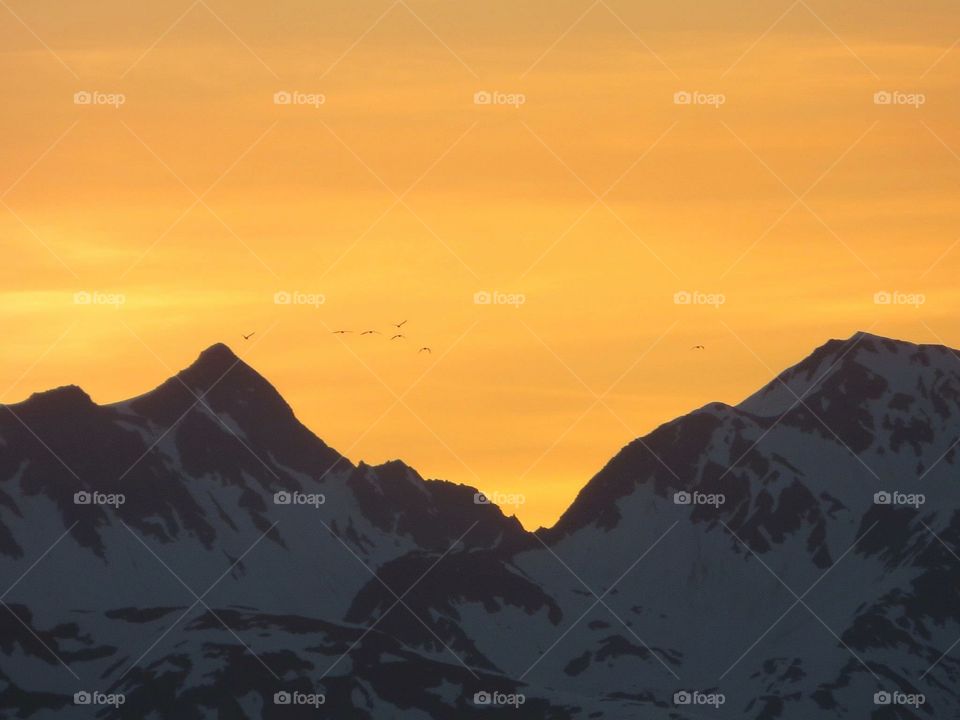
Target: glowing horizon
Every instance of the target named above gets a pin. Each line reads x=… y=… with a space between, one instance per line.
x=790 y=168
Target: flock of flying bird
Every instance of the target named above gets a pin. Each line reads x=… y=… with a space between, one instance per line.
x=396 y=336
x=401 y=336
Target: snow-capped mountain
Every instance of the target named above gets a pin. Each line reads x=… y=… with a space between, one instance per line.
x=198 y=553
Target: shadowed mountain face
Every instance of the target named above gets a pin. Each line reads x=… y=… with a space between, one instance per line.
x=198 y=553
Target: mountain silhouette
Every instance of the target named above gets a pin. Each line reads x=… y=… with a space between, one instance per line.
x=202 y=553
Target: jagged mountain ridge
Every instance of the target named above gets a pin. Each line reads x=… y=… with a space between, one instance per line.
x=798 y=476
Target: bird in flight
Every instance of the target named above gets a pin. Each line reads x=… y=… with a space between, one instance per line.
x=698 y=347
x=341 y=332
x=398 y=337
x=424 y=349
x=370 y=332
x=400 y=325
x=247 y=337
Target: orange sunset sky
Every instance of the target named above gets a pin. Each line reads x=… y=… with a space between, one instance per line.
x=788 y=189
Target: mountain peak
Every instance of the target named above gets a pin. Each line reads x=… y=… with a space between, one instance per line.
x=221 y=383
x=217 y=365
x=866 y=334
x=863 y=392
x=219 y=351
x=59 y=399
x=837 y=348
x=221 y=380
x=873 y=343
x=216 y=358
x=861 y=360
